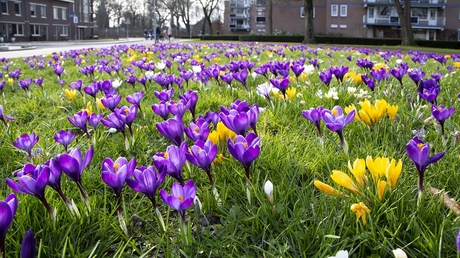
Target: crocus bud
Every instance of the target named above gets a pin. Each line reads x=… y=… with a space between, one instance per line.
x=28 y=245
x=399 y=253
x=269 y=191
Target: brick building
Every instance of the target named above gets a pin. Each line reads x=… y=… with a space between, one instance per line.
x=45 y=20
x=431 y=19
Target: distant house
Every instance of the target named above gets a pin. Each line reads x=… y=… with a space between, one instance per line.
x=431 y=19
x=45 y=20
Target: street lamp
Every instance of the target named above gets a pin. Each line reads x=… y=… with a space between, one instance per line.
x=155 y=20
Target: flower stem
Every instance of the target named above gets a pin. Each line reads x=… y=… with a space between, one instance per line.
x=343 y=141
x=160 y=219
x=2 y=246
x=48 y=208
x=248 y=191
x=83 y=194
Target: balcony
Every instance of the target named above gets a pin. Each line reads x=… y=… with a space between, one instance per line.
x=414 y=3
x=239 y=27
x=393 y=21
x=239 y=4
x=240 y=17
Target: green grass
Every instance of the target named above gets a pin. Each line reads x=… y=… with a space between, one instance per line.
x=304 y=221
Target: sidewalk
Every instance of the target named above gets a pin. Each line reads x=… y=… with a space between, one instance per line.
x=17 y=46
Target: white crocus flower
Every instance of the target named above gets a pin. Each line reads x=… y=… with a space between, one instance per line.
x=116 y=84
x=161 y=66
x=332 y=94
x=340 y=254
x=149 y=75
x=399 y=253
x=264 y=89
x=351 y=90
x=308 y=69
x=268 y=188
x=196 y=68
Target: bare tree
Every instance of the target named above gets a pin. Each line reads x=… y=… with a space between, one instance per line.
x=406 y=25
x=309 y=26
x=183 y=6
x=208 y=7
x=270 y=16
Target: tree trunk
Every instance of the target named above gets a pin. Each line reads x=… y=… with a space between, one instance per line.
x=208 y=19
x=270 y=16
x=407 y=38
x=309 y=26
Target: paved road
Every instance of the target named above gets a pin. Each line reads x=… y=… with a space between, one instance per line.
x=41 y=48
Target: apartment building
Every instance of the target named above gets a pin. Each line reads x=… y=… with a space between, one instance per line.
x=45 y=20
x=431 y=19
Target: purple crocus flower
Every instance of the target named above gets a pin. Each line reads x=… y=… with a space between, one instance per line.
x=94 y=120
x=314 y=115
x=76 y=85
x=32 y=180
x=245 y=150
x=419 y=152
x=15 y=73
x=115 y=173
x=326 y=77
x=236 y=121
x=131 y=80
x=64 y=138
x=339 y=72
x=441 y=113
x=202 y=154
x=192 y=97
x=380 y=74
x=227 y=77
x=281 y=83
x=28 y=245
x=114 y=121
x=198 y=131
x=164 y=95
x=4 y=117
x=58 y=70
x=146 y=181
x=242 y=77
x=213 y=117
x=73 y=165
x=369 y=81
x=24 y=84
x=54 y=181
x=173 y=129
x=127 y=116
x=26 y=142
x=297 y=69
x=458 y=241
x=174 y=159
x=336 y=121
x=398 y=73
x=39 y=81
x=186 y=75
x=136 y=99
x=111 y=102
x=428 y=90
x=182 y=197
x=416 y=74
x=79 y=120
x=8 y=209
x=161 y=109
x=180 y=107
x=92 y=89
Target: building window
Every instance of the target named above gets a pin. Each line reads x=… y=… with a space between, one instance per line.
x=421 y=13
x=33 y=11
x=334 y=10
x=17 y=8
x=260 y=20
x=43 y=11
x=334 y=26
x=302 y=12
x=343 y=10
x=458 y=37
x=4 y=7
x=261 y=12
x=371 y=12
x=64 y=14
x=386 y=12
x=18 y=29
x=56 y=13
x=35 y=30
x=64 y=31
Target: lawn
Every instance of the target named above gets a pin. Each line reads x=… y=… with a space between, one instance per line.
x=230 y=150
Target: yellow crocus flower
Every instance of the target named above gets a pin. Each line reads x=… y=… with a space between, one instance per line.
x=358 y=169
x=350 y=108
x=224 y=132
x=365 y=117
x=10 y=81
x=345 y=181
x=214 y=137
x=392 y=110
x=393 y=172
x=381 y=189
x=381 y=105
x=99 y=104
x=457 y=64
x=360 y=209
x=88 y=109
x=303 y=77
x=325 y=188
x=377 y=167
x=290 y=92
x=70 y=94
x=218 y=159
